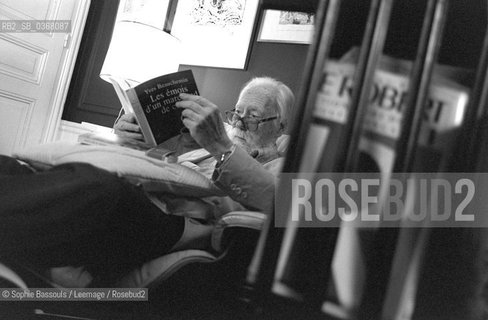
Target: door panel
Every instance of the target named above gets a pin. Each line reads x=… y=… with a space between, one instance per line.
x=16 y=114
x=20 y=59
x=30 y=67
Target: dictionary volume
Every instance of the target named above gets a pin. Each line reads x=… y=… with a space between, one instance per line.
x=153 y=103
x=446 y=104
x=447 y=100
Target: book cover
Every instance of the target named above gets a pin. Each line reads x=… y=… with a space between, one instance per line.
x=153 y=103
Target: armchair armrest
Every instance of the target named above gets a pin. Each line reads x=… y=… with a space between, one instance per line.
x=9 y=275
x=160 y=269
x=244 y=219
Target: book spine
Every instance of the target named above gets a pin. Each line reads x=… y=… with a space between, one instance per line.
x=121 y=94
x=141 y=117
x=292 y=278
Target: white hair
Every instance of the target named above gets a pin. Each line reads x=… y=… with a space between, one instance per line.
x=283 y=96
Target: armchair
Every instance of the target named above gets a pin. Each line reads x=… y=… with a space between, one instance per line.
x=225 y=261
x=147 y=173
x=153 y=272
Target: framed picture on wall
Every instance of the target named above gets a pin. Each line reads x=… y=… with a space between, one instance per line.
x=215 y=33
x=286 y=27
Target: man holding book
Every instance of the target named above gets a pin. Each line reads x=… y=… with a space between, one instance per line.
x=242 y=155
x=126 y=125
x=78 y=215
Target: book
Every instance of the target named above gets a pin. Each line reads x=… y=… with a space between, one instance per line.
x=153 y=103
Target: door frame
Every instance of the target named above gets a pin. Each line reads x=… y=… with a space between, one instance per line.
x=63 y=81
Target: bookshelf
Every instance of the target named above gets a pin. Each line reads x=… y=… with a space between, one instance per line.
x=295 y=273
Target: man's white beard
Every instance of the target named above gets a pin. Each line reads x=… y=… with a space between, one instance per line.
x=262 y=153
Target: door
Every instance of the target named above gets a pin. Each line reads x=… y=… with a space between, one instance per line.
x=35 y=69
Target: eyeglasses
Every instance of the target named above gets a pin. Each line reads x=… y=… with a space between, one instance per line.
x=249 y=123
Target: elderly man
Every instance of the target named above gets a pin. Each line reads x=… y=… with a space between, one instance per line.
x=79 y=215
x=262 y=96
x=245 y=156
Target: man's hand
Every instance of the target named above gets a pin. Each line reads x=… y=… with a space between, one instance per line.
x=127 y=127
x=205 y=123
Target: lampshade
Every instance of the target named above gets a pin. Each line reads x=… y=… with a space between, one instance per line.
x=139 y=52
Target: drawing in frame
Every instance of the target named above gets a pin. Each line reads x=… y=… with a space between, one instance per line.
x=286 y=27
x=215 y=33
